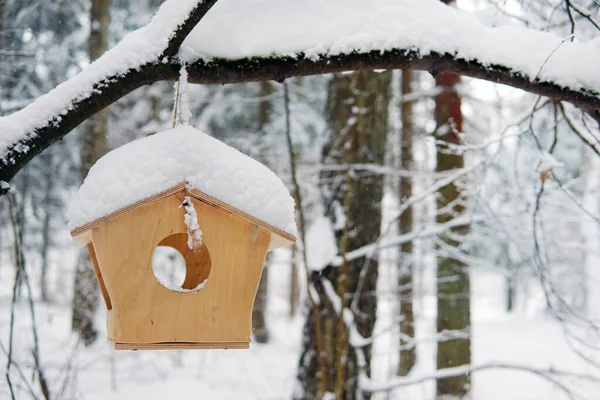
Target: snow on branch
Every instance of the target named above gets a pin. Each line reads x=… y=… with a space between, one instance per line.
x=314 y=30
x=557 y=377
x=142 y=57
x=370 y=250
x=241 y=41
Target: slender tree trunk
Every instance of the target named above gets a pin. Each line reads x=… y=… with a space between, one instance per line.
x=2 y=33
x=591 y=233
x=22 y=188
x=3 y=65
x=453 y=298
x=358 y=113
x=294 y=277
x=510 y=291
x=85 y=299
x=408 y=354
x=294 y=283
x=259 y=321
x=46 y=227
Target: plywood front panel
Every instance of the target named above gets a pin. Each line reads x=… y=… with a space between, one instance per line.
x=144 y=312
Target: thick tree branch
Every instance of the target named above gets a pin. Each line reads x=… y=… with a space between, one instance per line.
x=184 y=29
x=105 y=92
x=279 y=67
x=220 y=71
x=113 y=89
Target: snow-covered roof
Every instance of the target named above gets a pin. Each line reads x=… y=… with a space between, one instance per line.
x=157 y=163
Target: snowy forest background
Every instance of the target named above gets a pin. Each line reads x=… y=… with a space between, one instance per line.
x=463 y=217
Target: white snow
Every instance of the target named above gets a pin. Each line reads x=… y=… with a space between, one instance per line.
x=159 y=162
x=243 y=28
x=269 y=371
x=547 y=163
x=136 y=49
x=176 y=288
x=183 y=114
x=4 y=185
x=246 y=28
x=320 y=244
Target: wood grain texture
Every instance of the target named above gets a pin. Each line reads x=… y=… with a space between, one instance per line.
x=197 y=262
x=147 y=315
x=92 y=252
x=182 y=346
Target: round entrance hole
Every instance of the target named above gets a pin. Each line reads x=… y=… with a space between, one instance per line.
x=168 y=266
x=177 y=267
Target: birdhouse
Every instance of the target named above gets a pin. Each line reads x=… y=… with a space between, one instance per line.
x=221 y=210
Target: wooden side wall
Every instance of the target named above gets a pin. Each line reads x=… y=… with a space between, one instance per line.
x=143 y=311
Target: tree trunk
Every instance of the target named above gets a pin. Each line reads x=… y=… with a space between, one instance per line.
x=2 y=31
x=510 y=291
x=358 y=113
x=408 y=354
x=259 y=322
x=46 y=227
x=453 y=299
x=294 y=282
x=85 y=299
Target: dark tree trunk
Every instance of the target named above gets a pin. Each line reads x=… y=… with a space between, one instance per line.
x=85 y=299
x=453 y=299
x=259 y=321
x=408 y=355
x=294 y=283
x=46 y=227
x=358 y=113
x=2 y=24
x=510 y=293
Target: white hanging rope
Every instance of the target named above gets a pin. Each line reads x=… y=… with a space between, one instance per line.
x=191 y=221
x=181 y=108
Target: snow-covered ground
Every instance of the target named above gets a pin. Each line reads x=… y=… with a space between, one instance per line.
x=528 y=337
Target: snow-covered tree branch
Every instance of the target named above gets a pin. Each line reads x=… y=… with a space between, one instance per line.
x=241 y=42
x=139 y=59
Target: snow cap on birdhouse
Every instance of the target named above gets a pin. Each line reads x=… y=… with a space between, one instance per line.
x=220 y=209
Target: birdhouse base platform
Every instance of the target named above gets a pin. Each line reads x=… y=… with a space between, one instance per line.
x=182 y=346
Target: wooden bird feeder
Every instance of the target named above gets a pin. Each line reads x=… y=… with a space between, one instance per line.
x=213 y=307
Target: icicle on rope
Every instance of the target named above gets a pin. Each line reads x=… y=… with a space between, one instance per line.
x=181 y=108
x=190 y=219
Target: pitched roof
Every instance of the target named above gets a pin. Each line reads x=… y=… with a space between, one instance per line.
x=152 y=166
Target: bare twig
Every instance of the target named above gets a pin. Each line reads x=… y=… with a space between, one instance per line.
x=9 y=53
x=577 y=132
x=552 y=375
x=570 y=37
x=21 y=373
x=9 y=361
x=22 y=274
x=302 y=230
x=585 y=14
x=36 y=347
x=571 y=19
